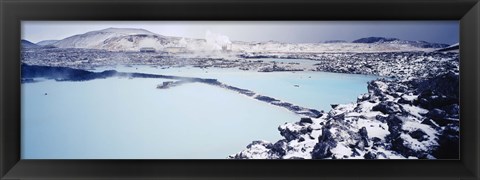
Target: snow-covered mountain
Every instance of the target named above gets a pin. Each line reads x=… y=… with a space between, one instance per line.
x=98 y=39
x=128 y=39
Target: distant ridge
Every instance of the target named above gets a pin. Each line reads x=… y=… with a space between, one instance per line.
x=374 y=40
x=452 y=47
x=28 y=44
x=419 y=44
x=46 y=42
x=335 y=41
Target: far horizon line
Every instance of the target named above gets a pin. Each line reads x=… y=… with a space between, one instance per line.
x=271 y=40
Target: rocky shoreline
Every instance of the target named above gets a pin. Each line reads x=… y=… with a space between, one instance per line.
x=413 y=115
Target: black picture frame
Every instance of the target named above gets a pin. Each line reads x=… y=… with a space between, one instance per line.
x=12 y=12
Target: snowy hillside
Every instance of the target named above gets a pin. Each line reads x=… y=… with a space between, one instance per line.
x=125 y=39
x=96 y=39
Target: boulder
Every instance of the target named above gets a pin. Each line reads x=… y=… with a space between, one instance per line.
x=419 y=135
x=444 y=84
x=440 y=117
x=452 y=110
x=306 y=120
x=449 y=143
x=436 y=114
x=430 y=100
x=370 y=155
x=377 y=142
x=339 y=117
x=279 y=148
x=381 y=118
x=398 y=145
x=387 y=107
x=405 y=100
x=394 y=123
x=363 y=132
x=321 y=150
x=363 y=142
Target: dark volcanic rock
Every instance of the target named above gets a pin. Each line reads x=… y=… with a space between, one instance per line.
x=370 y=155
x=321 y=150
x=399 y=146
x=306 y=120
x=363 y=132
x=377 y=142
x=63 y=73
x=437 y=114
x=381 y=118
x=419 y=135
x=446 y=84
x=363 y=142
x=435 y=101
x=404 y=100
x=449 y=143
x=387 y=107
x=279 y=147
x=452 y=110
x=339 y=117
x=265 y=98
x=440 y=117
x=327 y=137
x=394 y=123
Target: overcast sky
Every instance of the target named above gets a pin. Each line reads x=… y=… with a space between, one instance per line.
x=285 y=31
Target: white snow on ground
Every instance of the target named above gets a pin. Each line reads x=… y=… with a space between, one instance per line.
x=258 y=152
x=366 y=106
x=414 y=110
x=341 y=151
x=409 y=97
x=389 y=154
x=374 y=128
x=300 y=149
x=411 y=125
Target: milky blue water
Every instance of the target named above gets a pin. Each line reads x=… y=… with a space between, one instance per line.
x=309 y=89
x=121 y=118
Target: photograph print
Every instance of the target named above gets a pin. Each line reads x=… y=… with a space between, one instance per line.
x=240 y=90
